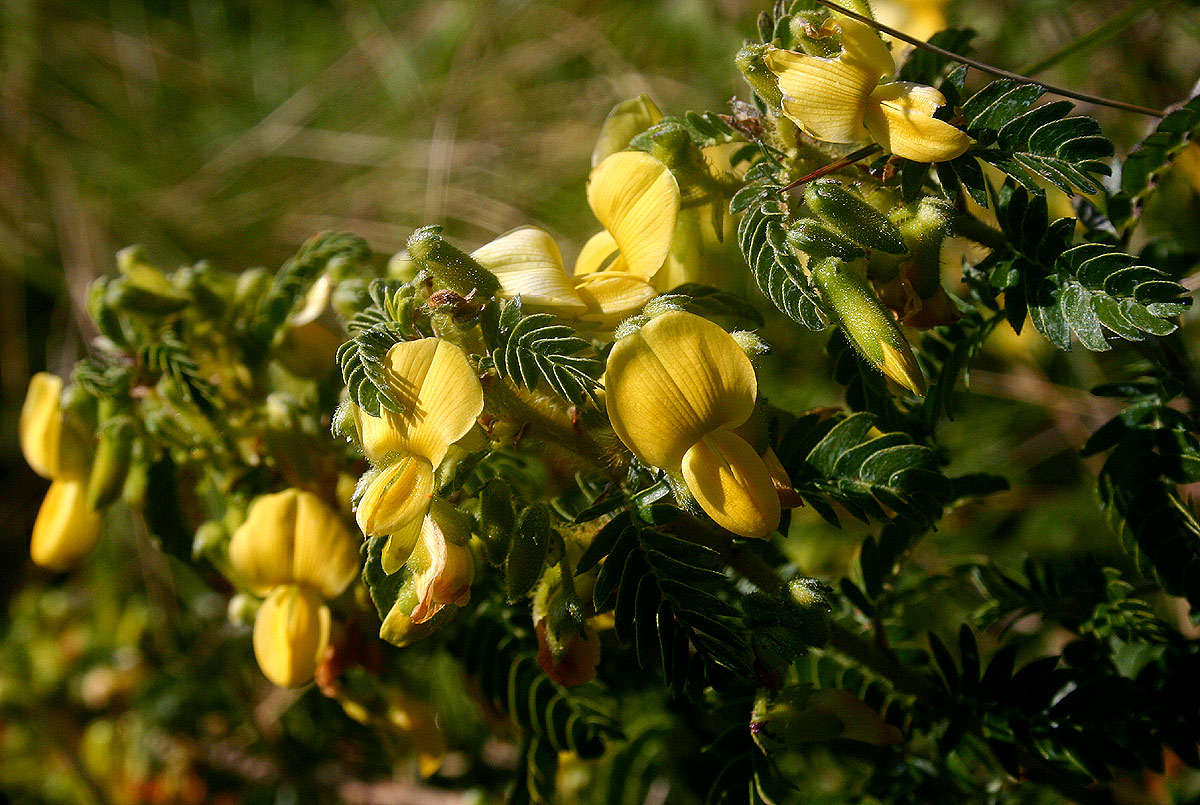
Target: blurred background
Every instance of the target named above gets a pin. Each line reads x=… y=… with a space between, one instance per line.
x=231 y=131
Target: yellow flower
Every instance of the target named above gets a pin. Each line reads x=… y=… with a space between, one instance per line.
x=291 y=632
x=442 y=398
x=297 y=551
x=636 y=199
x=52 y=446
x=292 y=537
x=446 y=576
x=313 y=333
x=528 y=263
x=841 y=100
x=675 y=390
x=66 y=527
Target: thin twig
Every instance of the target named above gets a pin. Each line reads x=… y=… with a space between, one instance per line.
x=989 y=69
x=849 y=159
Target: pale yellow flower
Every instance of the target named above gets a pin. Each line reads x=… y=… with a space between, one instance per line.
x=298 y=552
x=636 y=199
x=675 y=390
x=442 y=397
x=66 y=527
x=842 y=100
x=438 y=574
x=529 y=264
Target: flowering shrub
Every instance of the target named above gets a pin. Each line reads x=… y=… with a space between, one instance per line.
x=567 y=493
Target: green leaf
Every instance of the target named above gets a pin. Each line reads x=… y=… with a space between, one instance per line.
x=538 y=348
x=1141 y=170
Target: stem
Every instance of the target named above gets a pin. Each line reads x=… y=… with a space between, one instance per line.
x=1096 y=37
x=989 y=69
x=971 y=228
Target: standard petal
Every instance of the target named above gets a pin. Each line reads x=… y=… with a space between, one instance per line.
x=40 y=426
x=900 y=118
x=66 y=527
x=732 y=484
x=612 y=296
x=528 y=263
x=291 y=632
x=673 y=381
x=397 y=495
x=861 y=45
x=434 y=380
x=262 y=549
x=825 y=97
x=600 y=252
x=326 y=554
x=636 y=198
x=625 y=121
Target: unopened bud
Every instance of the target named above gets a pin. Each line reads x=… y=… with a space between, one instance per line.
x=812 y=238
x=852 y=217
x=527 y=553
x=625 y=121
x=451 y=267
x=110 y=467
x=142 y=288
x=752 y=65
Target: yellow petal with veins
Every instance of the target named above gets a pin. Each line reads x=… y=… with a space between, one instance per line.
x=66 y=527
x=528 y=263
x=900 y=118
x=435 y=382
x=862 y=45
x=825 y=97
x=673 y=381
x=612 y=296
x=397 y=495
x=600 y=252
x=291 y=632
x=732 y=484
x=637 y=199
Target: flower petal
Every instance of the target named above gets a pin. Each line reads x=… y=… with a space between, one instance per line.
x=732 y=484
x=612 y=296
x=625 y=121
x=600 y=252
x=66 y=527
x=400 y=544
x=291 y=632
x=326 y=554
x=636 y=198
x=528 y=263
x=900 y=118
x=263 y=547
x=448 y=576
x=396 y=496
x=862 y=45
x=825 y=97
x=673 y=381
x=435 y=381
x=41 y=424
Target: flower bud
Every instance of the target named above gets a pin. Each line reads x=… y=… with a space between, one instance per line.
x=66 y=527
x=852 y=217
x=811 y=238
x=867 y=323
x=110 y=467
x=142 y=288
x=496 y=519
x=313 y=333
x=450 y=266
x=527 y=553
x=291 y=632
x=750 y=62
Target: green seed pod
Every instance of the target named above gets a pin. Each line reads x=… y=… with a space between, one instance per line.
x=866 y=322
x=450 y=266
x=852 y=217
x=111 y=463
x=750 y=62
x=142 y=288
x=496 y=519
x=810 y=237
x=527 y=553
x=133 y=492
x=625 y=121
